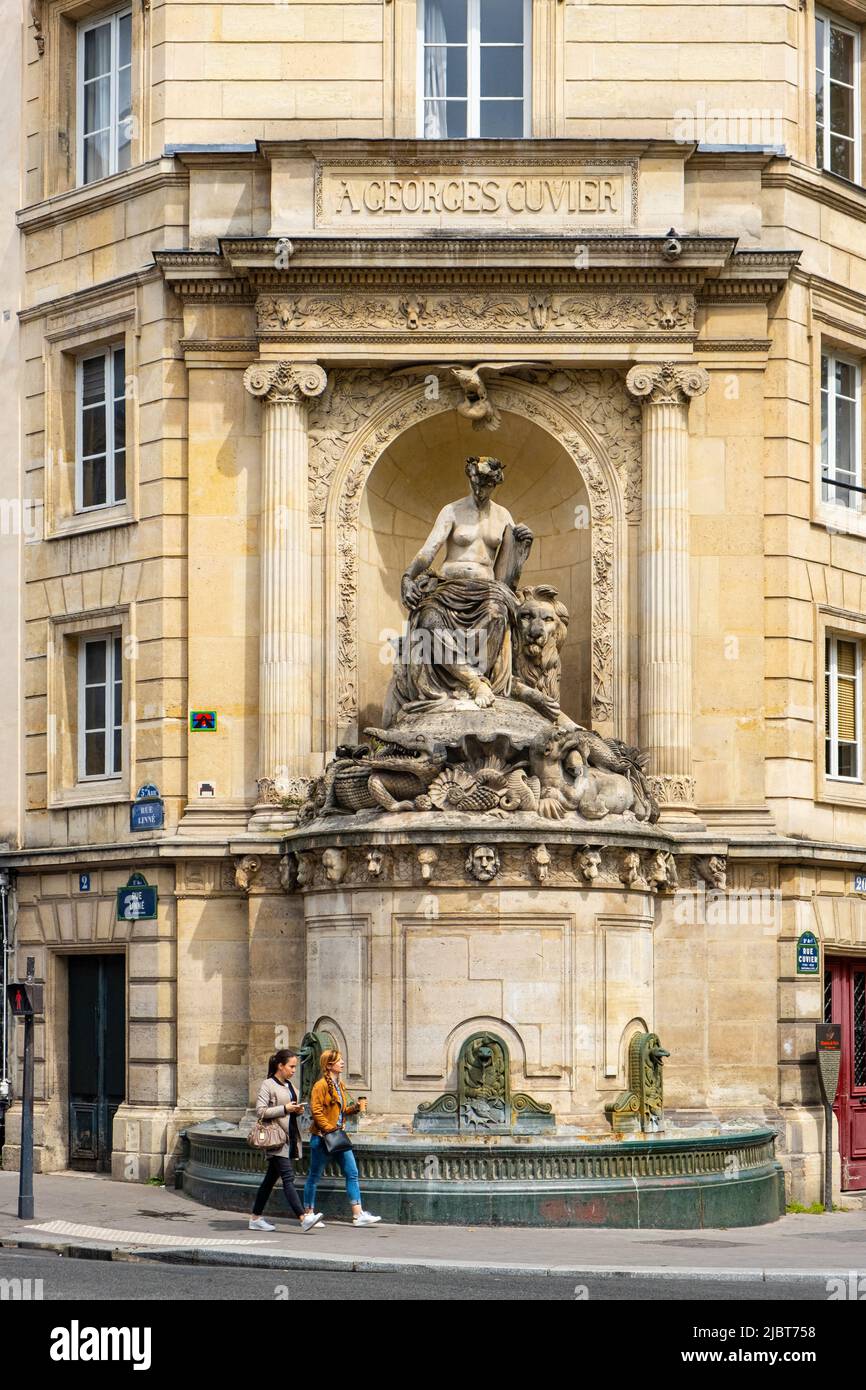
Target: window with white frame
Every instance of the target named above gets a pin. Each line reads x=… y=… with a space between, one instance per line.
x=100 y=706
x=104 y=95
x=100 y=469
x=842 y=708
x=475 y=64
x=841 y=471
x=837 y=96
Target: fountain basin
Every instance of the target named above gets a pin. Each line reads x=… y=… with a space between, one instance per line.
x=668 y=1182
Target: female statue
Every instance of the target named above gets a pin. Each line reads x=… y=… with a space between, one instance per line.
x=460 y=617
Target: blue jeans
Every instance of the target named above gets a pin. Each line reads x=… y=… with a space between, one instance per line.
x=319 y=1158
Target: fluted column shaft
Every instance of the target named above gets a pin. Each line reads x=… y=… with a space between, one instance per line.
x=665 y=390
x=285 y=641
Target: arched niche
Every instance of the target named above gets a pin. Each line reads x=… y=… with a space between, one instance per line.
x=365 y=411
x=421 y=470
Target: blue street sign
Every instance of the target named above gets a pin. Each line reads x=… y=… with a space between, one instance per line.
x=860 y=883
x=147 y=815
x=84 y=883
x=808 y=954
x=137 y=902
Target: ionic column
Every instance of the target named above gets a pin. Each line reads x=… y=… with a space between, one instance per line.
x=285 y=642
x=665 y=389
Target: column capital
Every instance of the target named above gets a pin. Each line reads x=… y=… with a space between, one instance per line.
x=273 y=382
x=667 y=383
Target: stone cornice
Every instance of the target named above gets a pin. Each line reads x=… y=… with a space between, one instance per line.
x=119 y=188
x=455 y=342
x=721 y=158
x=174 y=848
x=449 y=152
x=842 y=295
x=838 y=321
x=104 y=292
x=753 y=274
x=710 y=268
x=256 y=254
x=247 y=347
x=818 y=186
x=733 y=345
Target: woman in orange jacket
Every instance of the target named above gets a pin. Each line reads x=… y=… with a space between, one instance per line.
x=329 y=1105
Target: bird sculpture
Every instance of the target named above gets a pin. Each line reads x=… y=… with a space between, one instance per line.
x=476 y=404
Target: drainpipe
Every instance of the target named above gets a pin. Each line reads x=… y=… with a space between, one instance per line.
x=5 y=962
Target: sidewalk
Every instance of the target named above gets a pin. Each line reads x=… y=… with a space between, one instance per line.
x=82 y=1213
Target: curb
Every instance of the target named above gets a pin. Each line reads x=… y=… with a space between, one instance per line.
x=348 y=1264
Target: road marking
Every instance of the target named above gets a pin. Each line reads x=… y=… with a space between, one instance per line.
x=69 y=1228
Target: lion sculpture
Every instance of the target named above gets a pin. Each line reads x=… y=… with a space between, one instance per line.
x=542 y=626
x=586 y=772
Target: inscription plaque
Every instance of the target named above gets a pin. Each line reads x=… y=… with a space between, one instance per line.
x=539 y=197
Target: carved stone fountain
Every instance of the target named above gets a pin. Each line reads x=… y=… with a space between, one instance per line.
x=477 y=879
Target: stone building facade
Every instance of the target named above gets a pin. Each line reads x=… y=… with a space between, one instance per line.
x=239 y=282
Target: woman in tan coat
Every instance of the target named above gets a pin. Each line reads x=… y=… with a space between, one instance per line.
x=278 y=1101
x=329 y=1104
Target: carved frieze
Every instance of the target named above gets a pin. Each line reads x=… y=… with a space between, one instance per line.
x=606 y=312
x=540 y=865
x=356 y=313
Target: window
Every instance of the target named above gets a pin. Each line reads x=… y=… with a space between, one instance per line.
x=837 y=89
x=104 y=96
x=475 y=56
x=841 y=474
x=100 y=469
x=842 y=702
x=100 y=707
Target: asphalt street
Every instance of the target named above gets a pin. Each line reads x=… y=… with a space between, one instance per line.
x=144 y=1281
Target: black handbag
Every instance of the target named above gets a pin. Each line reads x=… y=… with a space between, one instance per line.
x=336 y=1141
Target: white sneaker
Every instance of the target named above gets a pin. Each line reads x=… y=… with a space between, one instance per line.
x=310 y=1220
x=321 y=1225
x=366 y=1219
x=258 y=1223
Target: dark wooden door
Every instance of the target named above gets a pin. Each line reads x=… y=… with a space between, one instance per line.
x=97 y=1056
x=845 y=1003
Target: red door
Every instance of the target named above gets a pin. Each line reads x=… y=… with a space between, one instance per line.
x=845 y=1003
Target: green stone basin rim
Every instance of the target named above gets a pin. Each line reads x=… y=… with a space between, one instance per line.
x=686 y=1183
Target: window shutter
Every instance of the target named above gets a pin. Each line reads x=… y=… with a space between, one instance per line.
x=846 y=666
x=847 y=720
x=846 y=659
